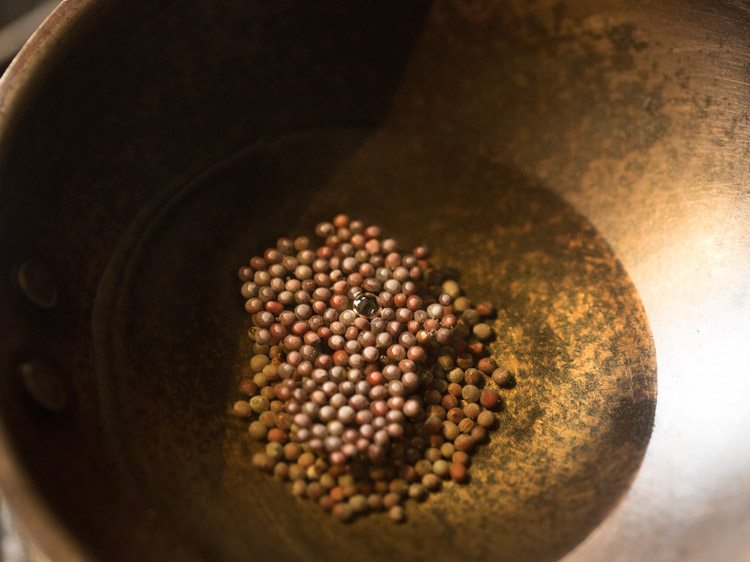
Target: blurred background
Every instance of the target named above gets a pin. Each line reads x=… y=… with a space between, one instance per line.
x=18 y=20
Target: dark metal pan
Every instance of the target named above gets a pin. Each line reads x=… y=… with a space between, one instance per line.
x=582 y=165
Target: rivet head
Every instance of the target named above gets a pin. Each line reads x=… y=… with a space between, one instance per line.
x=366 y=304
x=36 y=283
x=44 y=385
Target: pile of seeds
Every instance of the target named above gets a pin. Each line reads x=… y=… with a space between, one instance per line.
x=370 y=381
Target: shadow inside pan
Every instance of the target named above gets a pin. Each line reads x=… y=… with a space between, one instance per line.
x=170 y=344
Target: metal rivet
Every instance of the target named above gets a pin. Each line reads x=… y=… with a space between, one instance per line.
x=44 y=385
x=36 y=284
x=366 y=304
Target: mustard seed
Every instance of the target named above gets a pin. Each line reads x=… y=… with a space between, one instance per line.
x=342 y=511
x=455 y=415
x=472 y=410
x=299 y=488
x=314 y=491
x=391 y=499
x=456 y=375
x=458 y=472
x=446 y=451
x=487 y=365
x=274 y=451
x=473 y=376
x=396 y=513
x=333 y=387
x=450 y=430
x=432 y=454
x=486 y=419
x=358 y=503
x=464 y=443
x=451 y=288
x=281 y=471
x=461 y=304
x=306 y=459
x=466 y=425
x=242 y=409
x=470 y=393
x=375 y=502
x=479 y=434
x=490 y=399
x=423 y=467
x=257 y=430
x=502 y=378
x=485 y=309
x=417 y=492
x=292 y=451
x=482 y=331
x=460 y=457
x=441 y=468
x=262 y=461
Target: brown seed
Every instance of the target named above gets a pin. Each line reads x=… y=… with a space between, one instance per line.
x=472 y=410
x=432 y=454
x=461 y=304
x=458 y=472
x=479 y=434
x=450 y=430
x=257 y=430
x=436 y=440
x=486 y=419
x=502 y=378
x=490 y=399
x=258 y=362
x=441 y=468
x=337 y=493
x=470 y=393
x=487 y=365
x=447 y=451
x=396 y=513
x=299 y=488
x=449 y=401
x=464 y=361
x=248 y=387
x=464 y=443
x=485 y=309
x=423 y=467
x=327 y=502
x=391 y=499
x=306 y=459
x=473 y=376
x=358 y=503
x=375 y=501
x=342 y=511
x=296 y=472
x=263 y=461
x=281 y=471
x=461 y=457
x=276 y=435
x=454 y=389
x=327 y=481
x=466 y=425
x=417 y=492
x=431 y=481
x=482 y=331
x=455 y=415
x=292 y=451
x=242 y=409
x=433 y=424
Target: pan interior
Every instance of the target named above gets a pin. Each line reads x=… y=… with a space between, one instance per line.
x=170 y=345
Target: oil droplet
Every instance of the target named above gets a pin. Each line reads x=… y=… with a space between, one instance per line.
x=366 y=304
